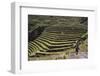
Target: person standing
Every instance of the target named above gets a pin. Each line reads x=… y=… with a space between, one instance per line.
x=77 y=47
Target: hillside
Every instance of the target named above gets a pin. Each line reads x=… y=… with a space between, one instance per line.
x=54 y=37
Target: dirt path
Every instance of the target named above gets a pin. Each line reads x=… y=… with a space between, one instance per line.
x=79 y=56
